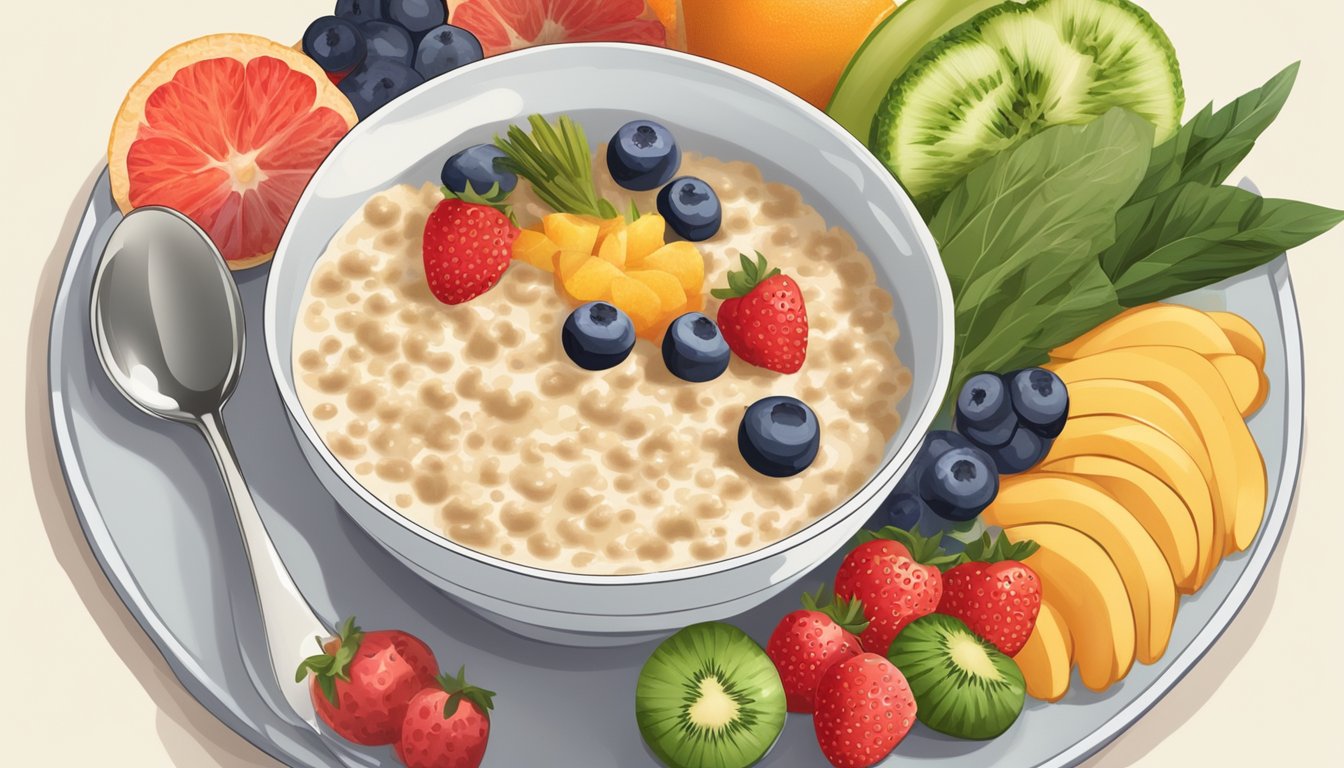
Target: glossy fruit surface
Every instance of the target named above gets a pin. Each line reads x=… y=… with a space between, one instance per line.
x=598 y=336
x=477 y=166
x=444 y=49
x=694 y=350
x=691 y=208
x=985 y=410
x=336 y=44
x=960 y=483
x=1040 y=399
x=508 y=25
x=643 y=155
x=376 y=83
x=416 y=16
x=386 y=40
x=779 y=436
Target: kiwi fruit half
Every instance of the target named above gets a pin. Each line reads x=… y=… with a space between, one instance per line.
x=963 y=685
x=1014 y=70
x=709 y=697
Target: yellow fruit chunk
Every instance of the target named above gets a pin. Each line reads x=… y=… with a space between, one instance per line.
x=683 y=261
x=644 y=236
x=570 y=232
x=671 y=295
x=612 y=249
x=1243 y=380
x=592 y=280
x=535 y=248
x=1047 y=658
x=568 y=262
x=1151 y=325
x=1244 y=338
x=638 y=301
x=607 y=227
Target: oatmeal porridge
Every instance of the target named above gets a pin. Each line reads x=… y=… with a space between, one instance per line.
x=471 y=421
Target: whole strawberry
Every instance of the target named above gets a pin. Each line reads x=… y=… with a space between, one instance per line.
x=447 y=725
x=864 y=709
x=806 y=643
x=996 y=595
x=466 y=249
x=897 y=577
x=763 y=317
x=362 y=682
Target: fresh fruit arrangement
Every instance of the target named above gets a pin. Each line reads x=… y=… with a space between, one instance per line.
x=228 y=129
x=383 y=687
x=623 y=276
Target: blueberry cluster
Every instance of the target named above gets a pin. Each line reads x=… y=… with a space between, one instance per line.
x=1005 y=424
x=1015 y=417
x=642 y=156
x=376 y=50
x=778 y=436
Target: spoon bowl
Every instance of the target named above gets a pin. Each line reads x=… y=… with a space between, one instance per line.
x=168 y=319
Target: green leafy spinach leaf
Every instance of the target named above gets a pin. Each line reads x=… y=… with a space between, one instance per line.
x=1020 y=235
x=1198 y=235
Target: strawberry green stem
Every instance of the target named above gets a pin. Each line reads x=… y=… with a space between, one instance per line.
x=458 y=689
x=333 y=663
x=742 y=283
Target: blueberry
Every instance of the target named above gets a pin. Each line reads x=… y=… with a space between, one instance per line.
x=1040 y=399
x=1023 y=451
x=359 y=10
x=694 y=350
x=959 y=484
x=335 y=44
x=902 y=509
x=417 y=16
x=388 y=41
x=779 y=436
x=691 y=208
x=985 y=411
x=936 y=443
x=476 y=165
x=598 y=336
x=643 y=155
x=446 y=48
x=377 y=82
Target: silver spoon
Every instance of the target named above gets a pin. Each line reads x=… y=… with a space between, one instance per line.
x=168 y=326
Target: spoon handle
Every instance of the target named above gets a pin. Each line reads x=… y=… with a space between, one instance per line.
x=288 y=621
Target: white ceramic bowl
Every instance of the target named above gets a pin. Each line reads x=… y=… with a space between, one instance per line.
x=713 y=109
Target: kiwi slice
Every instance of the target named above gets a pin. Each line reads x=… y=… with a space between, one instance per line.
x=1013 y=71
x=709 y=697
x=963 y=685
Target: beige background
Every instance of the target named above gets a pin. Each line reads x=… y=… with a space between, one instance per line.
x=82 y=685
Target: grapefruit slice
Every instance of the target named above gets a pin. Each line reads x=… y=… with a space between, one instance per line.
x=227 y=130
x=507 y=25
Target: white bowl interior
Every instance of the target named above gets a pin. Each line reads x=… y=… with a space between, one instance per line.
x=712 y=109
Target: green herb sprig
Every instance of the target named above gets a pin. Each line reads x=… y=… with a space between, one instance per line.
x=557 y=161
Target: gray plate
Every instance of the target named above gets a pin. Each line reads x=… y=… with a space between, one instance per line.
x=156 y=515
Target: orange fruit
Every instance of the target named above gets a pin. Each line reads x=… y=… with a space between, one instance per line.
x=227 y=130
x=507 y=25
x=802 y=45
x=536 y=249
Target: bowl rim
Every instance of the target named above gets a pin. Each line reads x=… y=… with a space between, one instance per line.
x=883 y=475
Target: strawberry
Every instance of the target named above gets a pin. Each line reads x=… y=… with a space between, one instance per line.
x=897 y=577
x=996 y=595
x=864 y=709
x=467 y=247
x=447 y=725
x=763 y=317
x=806 y=643
x=363 y=681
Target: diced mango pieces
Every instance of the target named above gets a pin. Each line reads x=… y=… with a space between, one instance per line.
x=671 y=296
x=535 y=248
x=680 y=259
x=638 y=301
x=570 y=232
x=592 y=281
x=644 y=236
x=607 y=227
x=568 y=262
x=613 y=248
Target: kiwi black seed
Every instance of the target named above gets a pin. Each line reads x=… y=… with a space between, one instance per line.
x=963 y=685
x=709 y=697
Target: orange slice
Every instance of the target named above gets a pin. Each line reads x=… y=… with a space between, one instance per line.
x=227 y=129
